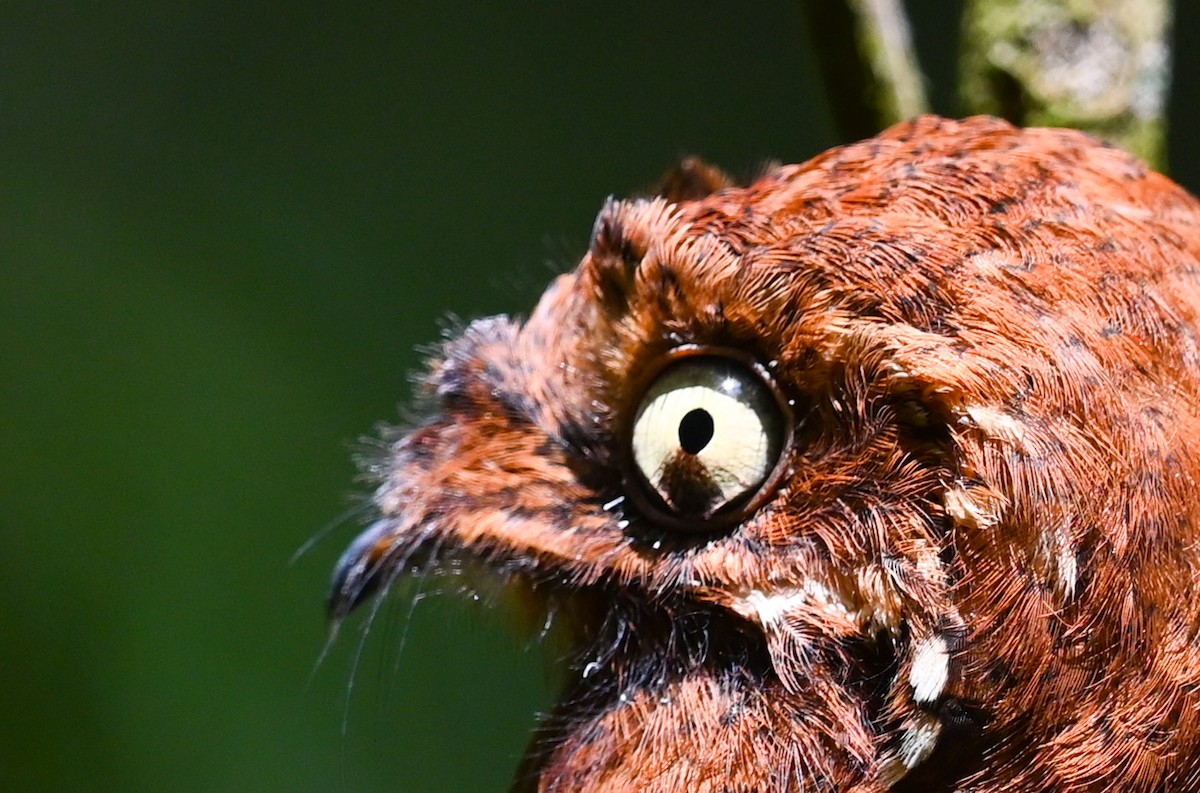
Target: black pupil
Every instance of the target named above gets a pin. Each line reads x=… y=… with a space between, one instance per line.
x=695 y=430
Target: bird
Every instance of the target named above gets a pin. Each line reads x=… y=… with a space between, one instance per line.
x=876 y=473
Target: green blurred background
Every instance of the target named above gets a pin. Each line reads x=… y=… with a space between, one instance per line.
x=225 y=227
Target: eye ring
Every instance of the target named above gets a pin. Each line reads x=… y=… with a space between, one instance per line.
x=696 y=430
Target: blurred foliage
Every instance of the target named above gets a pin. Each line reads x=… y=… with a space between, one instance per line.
x=225 y=228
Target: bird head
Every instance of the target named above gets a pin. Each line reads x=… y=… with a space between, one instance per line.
x=875 y=473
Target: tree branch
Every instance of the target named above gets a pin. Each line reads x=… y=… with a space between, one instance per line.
x=876 y=82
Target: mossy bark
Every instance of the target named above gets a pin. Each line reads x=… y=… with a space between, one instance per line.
x=1101 y=66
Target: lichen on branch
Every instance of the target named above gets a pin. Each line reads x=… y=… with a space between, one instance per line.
x=1101 y=66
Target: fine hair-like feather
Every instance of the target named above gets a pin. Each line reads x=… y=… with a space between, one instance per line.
x=973 y=566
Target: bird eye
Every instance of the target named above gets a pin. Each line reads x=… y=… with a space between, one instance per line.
x=706 y=437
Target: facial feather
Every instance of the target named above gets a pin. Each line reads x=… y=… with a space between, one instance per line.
x=973 y=564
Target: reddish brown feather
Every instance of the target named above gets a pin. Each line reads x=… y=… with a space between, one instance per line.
x=991 y=338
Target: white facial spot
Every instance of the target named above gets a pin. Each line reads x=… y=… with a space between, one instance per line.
x=996 y=424
x=930 y=669
x=882 y=607
x=771 y=607
x=919 y=740
x=1057 y=552
x=965 y=509
x=1068 y=567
